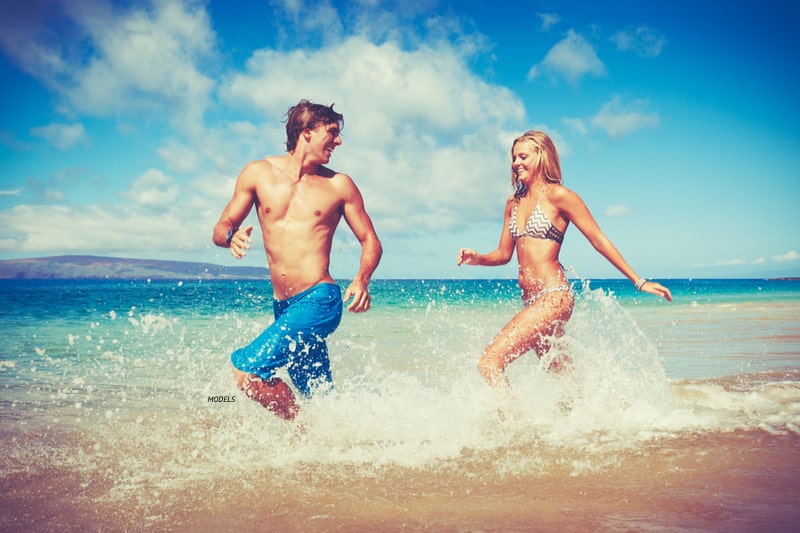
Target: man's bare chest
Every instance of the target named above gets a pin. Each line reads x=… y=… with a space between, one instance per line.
x=301 y=202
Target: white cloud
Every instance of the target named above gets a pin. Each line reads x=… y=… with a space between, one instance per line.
x=140 y=59
x=618 y=118
x=788 y=256
x=731 y=262
x=54 y=195
x=618 y=210
x=644 y=41
x=419 y=126
x=11 y=192
x=157 y=217
x=321 y=19
x=783 y=258
x=62 y=136
x=576 y=124
x=153 y=189
x=426 y=140
x=86 y=229
x=548 y=20
x=180 y=157
x=572 y=58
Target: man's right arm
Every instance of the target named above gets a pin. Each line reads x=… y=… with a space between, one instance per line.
x=227 y=233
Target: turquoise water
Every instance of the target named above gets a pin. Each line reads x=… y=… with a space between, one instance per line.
x=755 y=317
x=117 y=395
x=150 y=333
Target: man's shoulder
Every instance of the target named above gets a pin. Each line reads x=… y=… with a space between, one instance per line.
x=262 y=168
x=337 y=178
x=266 y=164
x=326 y=172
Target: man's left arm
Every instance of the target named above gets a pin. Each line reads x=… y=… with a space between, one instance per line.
x=371 y=250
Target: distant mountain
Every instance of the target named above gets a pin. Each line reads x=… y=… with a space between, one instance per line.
x=92 y=267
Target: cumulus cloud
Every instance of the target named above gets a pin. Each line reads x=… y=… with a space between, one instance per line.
x=620 y=118
x=426 y=139
x=62 y=136
x=321 y=20
x=68 y=229
x=180 y=157
x=548 y=20
x=788 y=256
x=618 y=210
x=730 y=262
x=782 y=258
x=572 y=58
x=643 y=41
x=140 y=58
x=577 y=125
x=419 y=125
x=153 y=190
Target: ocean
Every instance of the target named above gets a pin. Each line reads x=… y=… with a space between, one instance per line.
x=119 y=412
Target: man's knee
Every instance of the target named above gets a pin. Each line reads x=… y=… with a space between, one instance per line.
x=251 y=382
x=242 y=379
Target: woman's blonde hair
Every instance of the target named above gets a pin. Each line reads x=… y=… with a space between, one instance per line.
x=548 y=167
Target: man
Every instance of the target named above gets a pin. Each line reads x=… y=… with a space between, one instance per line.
x=299 y=203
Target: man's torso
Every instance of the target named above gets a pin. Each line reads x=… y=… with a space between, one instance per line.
x=298 y=218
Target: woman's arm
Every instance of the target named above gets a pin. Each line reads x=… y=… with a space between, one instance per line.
x=500 y=256
x=574 y=209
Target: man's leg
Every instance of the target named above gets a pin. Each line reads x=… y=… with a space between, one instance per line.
x=273 y=393
x=317 y=315
x=305 y=318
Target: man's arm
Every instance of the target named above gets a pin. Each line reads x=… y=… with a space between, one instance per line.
x=371 y=250
x=227 y=233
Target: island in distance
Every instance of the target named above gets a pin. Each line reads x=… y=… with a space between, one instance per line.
x=94 y=267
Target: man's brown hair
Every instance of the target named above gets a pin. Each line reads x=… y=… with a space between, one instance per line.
x=307 y=115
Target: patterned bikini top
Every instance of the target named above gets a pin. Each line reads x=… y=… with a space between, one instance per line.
x=538 y=225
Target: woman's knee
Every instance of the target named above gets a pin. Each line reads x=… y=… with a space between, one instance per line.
x=490 y=368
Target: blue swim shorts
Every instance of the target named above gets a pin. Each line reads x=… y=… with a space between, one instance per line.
x=296 y=340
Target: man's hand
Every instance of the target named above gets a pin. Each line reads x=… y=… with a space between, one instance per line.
x=361 y=299
x=240 y=242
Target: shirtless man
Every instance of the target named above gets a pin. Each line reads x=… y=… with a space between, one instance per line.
x=299 y=203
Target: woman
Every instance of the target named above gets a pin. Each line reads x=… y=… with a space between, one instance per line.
x=535 y=220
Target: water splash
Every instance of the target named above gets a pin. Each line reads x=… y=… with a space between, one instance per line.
x=123 y=398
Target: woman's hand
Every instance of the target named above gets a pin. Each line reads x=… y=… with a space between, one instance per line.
x=658 y=289
x=467 y=256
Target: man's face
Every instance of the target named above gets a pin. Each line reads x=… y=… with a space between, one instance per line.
x=327 y=137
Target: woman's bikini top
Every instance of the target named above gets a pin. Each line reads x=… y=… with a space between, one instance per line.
x=538 y=225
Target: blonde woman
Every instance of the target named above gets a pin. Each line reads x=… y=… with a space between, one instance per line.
x=535 y=220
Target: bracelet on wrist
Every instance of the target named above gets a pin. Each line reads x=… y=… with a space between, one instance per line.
x=640 y=283
x=229 y=237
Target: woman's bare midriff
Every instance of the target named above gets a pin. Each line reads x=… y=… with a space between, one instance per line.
x=534 y=280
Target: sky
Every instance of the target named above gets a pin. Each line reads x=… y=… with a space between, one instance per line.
x=124 y=124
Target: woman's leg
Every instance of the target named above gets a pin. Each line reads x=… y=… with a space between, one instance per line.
x=527 y=330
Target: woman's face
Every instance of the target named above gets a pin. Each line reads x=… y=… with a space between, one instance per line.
x=525 y=160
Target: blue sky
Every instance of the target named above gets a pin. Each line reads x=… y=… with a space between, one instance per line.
x=123 y=125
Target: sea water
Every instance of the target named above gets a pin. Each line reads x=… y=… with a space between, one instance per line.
x=119 y=412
